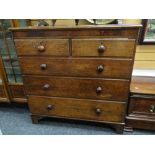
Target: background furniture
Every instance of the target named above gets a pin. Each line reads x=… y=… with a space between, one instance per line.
x=9 y=65
x=79 y=72
x=141 y=110
x=147 y=33
x=4 y=91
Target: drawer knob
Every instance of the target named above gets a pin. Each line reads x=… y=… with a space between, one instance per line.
x=43 y=66
x=100 y=68
x=46 y=86
x=98 y=111
x=152 y=108
x=41 y=48
x=49 y=107
x=99 y=90
x=101 y=48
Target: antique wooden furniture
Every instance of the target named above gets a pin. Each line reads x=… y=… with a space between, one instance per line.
x=12 y=79
x=78 y=72
x=141 y=111
x=4 y=91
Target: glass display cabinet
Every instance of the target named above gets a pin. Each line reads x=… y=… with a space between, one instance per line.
x=4 y=92
x=12 y=74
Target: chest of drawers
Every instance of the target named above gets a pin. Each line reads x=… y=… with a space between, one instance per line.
x=80 y=72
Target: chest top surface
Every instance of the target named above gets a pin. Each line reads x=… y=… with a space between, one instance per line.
x=143 y=85
x=129 y=31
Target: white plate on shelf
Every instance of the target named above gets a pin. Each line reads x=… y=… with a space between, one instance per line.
x=101 y=21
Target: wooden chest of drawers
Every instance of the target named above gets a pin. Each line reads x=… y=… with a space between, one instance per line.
x=80 y=72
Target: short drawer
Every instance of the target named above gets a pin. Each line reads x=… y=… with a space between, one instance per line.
x=46 y=47
x=142 y=104
x=111 y=68
x=77 y=109
x=103 y=47
x=108 y=89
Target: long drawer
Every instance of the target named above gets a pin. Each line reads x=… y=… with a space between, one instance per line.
x=111 y=68
x=103 y=47
x=108 y=89
x=76 y=108
x=42 y=47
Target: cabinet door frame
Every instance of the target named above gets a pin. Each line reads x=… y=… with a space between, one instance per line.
x=4 y=83
x=142 y=34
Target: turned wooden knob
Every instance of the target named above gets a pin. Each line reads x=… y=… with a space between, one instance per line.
x=46 y=86
x=41 y=48
x=100 y=68
x=43 y=66
x=98 y=111
x=76 y=21
x=152 y=108
x=53 y=22
x=49 y=107
x=101 y=48
x=99 y=90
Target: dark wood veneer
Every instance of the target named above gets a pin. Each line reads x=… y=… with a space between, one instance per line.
x=77 y=87
x=81 y=72
x=77 y=67
x=112 y=47
x=50 y=47
x=77 y=108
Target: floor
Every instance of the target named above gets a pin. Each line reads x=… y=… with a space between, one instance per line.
x=16 y=121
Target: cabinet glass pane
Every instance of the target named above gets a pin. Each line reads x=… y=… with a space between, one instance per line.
x=8 y=53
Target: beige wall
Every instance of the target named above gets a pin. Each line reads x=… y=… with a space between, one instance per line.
x=145 y=57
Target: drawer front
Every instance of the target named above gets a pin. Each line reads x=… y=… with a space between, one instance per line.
x=77 y=87
x=111 y=68
x=75 y=108
x=46 y=47
x=103 y=47
x=142 y=105
x=2 y=92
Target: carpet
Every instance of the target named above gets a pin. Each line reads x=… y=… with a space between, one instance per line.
x=17 y=121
